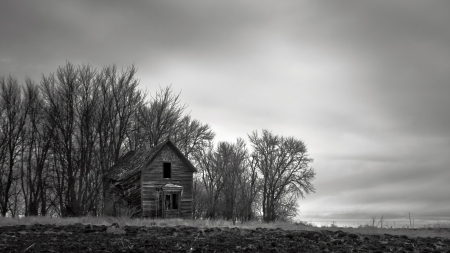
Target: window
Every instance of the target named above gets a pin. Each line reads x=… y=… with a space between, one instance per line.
x=171 y=201
x=174 y=201
x=167 y=173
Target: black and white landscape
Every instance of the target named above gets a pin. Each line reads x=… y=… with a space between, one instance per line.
x=364 y=84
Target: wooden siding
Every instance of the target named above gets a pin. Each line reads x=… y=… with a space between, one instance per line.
x=152 y=178
x=130 y=193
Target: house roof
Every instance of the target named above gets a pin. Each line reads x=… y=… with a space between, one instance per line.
x=132 y=162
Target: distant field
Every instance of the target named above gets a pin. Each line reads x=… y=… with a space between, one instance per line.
x=441 y=229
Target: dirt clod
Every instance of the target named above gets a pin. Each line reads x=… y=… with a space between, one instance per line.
x=93 y=238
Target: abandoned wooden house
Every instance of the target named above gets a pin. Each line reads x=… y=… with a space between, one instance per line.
x=151 y=182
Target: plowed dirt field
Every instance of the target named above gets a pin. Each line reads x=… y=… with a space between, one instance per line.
x=96 y=238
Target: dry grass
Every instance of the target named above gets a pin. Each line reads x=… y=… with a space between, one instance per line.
x=125 y=221
x=440 y=229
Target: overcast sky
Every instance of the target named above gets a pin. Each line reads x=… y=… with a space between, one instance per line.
x=365 y=84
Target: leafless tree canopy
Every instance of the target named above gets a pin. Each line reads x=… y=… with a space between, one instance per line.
x=59 y=137
x=283 y=163
x=227 y=187
x=14 y=110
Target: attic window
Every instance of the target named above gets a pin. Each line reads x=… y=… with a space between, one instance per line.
x=167 y=170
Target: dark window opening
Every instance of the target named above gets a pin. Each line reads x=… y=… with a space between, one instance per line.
x=167 y=202
x=174 y=201
x=167 y=170
x=171 y=201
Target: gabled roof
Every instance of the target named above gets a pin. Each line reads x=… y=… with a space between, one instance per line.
x=132 y=162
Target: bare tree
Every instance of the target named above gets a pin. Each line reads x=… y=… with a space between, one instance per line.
x=191 y=136
x=287 y=207
x=58 y=139
x=226 y=183
x=60 y=95
x=13 y=112
x=199 y=201
x=35 y=152
x=283 y=163
x=160 y=116
x=89 y=177
x=120 y=99
x=232 y=157
x=212 y=180
x=250 y=189
x=15 y=204
x=71 y=108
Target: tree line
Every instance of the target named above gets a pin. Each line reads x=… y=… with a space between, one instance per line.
x=59 y=137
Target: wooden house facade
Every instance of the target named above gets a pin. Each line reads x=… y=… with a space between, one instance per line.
x=155 y=183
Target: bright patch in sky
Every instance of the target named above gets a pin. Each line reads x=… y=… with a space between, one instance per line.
x=365 y=84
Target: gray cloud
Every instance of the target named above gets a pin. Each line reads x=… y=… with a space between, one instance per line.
x=364 y=84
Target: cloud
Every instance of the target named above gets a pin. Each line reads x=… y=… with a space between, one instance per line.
x=364 y=84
